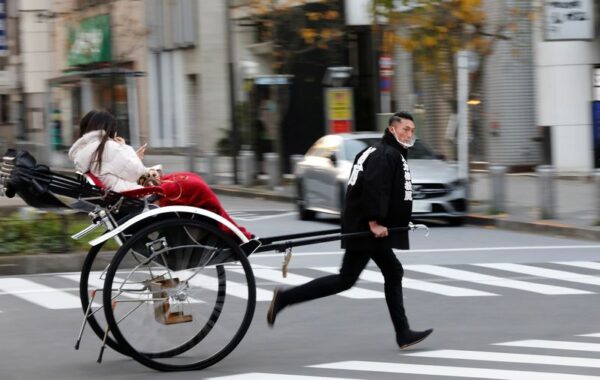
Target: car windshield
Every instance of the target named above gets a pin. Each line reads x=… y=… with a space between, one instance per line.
x=352 y=147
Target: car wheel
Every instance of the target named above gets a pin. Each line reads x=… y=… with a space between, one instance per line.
x=303 y=213
x=456 y=221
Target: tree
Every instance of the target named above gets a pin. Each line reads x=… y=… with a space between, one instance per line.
x=298 y=29
x=435 y=30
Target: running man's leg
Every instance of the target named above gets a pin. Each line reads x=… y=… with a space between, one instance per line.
x=353 y=263
x=392 y=271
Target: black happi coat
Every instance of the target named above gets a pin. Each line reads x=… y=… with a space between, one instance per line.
x=381 y=191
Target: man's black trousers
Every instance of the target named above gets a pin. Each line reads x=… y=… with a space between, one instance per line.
x=353 y=264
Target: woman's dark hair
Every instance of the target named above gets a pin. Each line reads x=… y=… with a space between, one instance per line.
x=398 y=116
x=85 y=120
x=101 y=121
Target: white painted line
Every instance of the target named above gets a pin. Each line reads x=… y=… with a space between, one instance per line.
x=295 y=279
x=581 y=264
x=39 y=294
x=509 y=358
x=595 y=335
x=408 y=283
x=460 y=372
x=95 y=282
x=463 y=275
x=544 y=272
x=274 y=376
x=554 y=345
x=234 y=289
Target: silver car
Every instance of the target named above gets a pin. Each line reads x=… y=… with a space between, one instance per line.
x=323 y=174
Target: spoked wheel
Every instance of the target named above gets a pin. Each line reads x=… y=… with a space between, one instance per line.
x=165 y=292
x=91 y=283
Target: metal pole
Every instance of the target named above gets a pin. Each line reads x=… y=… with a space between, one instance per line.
x=211 y=174
x=192 y=158
x=235 y=143
x=498 y=184
x=545 y=175
x=294 y=159
x=597 y=182
x=246 y=159
x=462 y=65
x=272 y=166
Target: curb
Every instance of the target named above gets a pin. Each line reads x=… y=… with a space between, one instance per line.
x=41 y=263
x=252 y=193
x=540 y=227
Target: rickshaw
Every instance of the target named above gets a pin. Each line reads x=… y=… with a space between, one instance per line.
x=179 y=292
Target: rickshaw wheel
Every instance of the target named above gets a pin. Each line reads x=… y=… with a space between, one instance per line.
x=165 y=291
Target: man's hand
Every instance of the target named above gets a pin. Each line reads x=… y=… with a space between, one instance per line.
x=378 y=230
x=141 y=150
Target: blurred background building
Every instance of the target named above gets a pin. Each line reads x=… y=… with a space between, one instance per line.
x=273 y=76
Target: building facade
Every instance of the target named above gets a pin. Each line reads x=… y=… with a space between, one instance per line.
x=535 y=102
x=99 y=58
x=187 y=73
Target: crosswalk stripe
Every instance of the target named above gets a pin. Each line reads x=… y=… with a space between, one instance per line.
x=595 y=335
x=409 y=283
x=39 y=294
x=274 y=376
x=296 y=279
x=461 y=372
x=554 y=344
x=544 y=272
x=509 y=358
x=95 y=282
x=581 y=264
x=235 y=289
x=463 y=275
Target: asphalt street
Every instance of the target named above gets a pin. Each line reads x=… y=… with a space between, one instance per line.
x=504 y=305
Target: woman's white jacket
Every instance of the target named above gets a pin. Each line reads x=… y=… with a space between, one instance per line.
x=121 y=167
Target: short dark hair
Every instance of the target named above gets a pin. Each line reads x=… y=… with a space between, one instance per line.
x=399 y=116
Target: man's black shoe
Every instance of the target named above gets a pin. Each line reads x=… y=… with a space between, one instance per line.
x=408 y=337
x=274 y=307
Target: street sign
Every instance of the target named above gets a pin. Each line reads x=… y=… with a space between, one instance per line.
x=340 y=109
x=569 y=20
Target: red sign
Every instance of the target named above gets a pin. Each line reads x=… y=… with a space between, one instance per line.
x=341 y=126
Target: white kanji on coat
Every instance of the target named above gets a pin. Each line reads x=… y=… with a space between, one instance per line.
x=407 y=181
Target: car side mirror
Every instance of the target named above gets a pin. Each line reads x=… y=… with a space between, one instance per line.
x=333 y=159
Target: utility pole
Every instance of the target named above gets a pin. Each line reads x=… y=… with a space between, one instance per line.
x=235 y=143
x=462 y=80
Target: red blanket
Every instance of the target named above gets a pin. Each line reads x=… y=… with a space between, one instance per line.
x=187 y=189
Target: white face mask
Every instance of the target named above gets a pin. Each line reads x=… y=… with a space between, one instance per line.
x=405 y=144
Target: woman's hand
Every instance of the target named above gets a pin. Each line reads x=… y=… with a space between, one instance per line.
x=141 y=151
x=378 y=230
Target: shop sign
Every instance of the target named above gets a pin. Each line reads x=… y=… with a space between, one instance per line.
x=339 y=109
x=89 y=42
x=569 y=19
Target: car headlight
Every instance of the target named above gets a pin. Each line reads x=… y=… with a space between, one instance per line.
x=457 y=184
